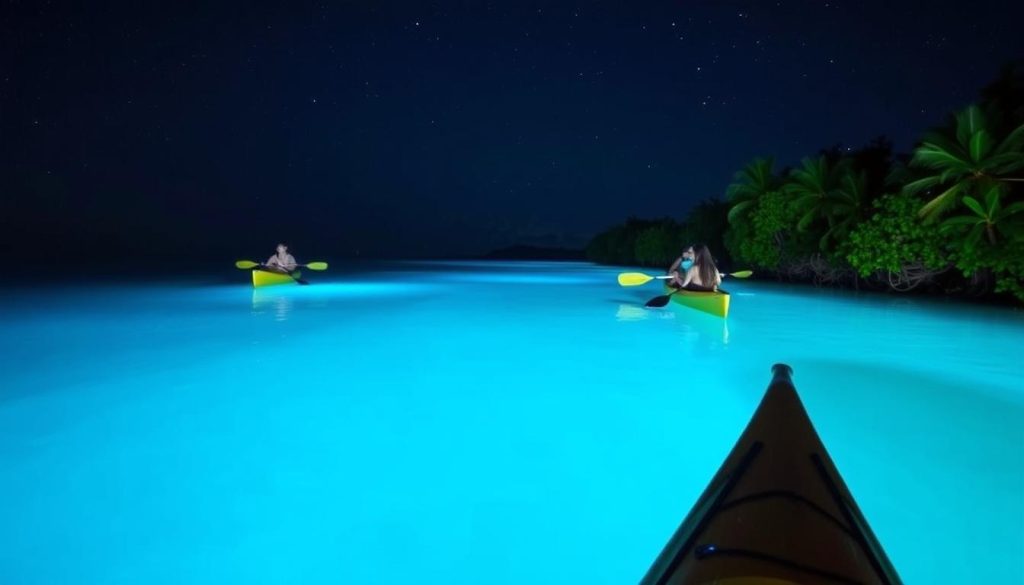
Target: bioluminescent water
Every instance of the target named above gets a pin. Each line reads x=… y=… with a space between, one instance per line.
x=477 y=423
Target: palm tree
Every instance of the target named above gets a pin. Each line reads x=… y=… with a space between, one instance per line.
x=749 y=185
x=812 y=187
x=989 y=219
x=832 y=192
x=845 y=205
x=967 y=163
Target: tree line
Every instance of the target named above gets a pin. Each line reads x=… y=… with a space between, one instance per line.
x=947 y=217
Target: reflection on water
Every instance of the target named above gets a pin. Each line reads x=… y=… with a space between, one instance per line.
x=693 y=325
x=699 y=327
x=272 y=301
x=282 y=301
x=631 y=313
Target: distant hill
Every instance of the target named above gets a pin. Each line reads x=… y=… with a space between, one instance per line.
x=534 y=253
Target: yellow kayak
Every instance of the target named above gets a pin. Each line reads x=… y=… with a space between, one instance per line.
x=776 y=513
x=715 y=303
x=261 y=278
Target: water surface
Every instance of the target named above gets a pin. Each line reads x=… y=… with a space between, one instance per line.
x=476 y=423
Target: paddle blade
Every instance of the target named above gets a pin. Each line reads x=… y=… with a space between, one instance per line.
x=742 y=274
x=317 y=266
x=246 y=264
x=658 y=301
x=634 y=279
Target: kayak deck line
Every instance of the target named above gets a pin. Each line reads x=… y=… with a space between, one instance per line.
x=777 y=511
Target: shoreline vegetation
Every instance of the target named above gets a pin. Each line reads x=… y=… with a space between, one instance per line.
x=947 y=218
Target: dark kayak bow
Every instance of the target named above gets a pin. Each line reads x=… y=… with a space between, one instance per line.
x=777 y=512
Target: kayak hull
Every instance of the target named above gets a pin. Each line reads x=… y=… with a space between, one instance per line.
x=714 y=303
x=262 y=278
x=776 y=512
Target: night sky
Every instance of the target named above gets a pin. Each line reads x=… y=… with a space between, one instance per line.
x=203 y=130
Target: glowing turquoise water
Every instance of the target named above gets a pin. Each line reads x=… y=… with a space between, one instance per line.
x=474 y=423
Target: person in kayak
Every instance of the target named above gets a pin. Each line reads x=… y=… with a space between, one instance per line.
x=282 y=261
x=702 y=275
x=681 y=265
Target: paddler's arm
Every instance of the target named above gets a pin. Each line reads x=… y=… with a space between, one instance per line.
x=290 y=264
x=675 y=265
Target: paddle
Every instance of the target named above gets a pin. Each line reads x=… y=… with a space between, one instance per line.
x=663 y=300
x=247 y=264
x=638 y=278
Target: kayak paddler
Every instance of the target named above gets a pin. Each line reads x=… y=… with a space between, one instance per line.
x=701 y=275
x=282 y=261
x=681 y=266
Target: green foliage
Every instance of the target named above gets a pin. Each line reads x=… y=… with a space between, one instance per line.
x=659 y=242
x=830 y=195
x=991 y=220
x=988 y=242
x=845 y=208
x=1004 y=263
x=894 y=238
x=613 y=246
x=965 y=159
x=859 y=209
x=765 y=236
x=638 y=241
x=659 y=245
x=749 y=185
x=811 y=186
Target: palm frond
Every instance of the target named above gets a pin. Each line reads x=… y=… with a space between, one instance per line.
x=915 y=187
x=992 y=201
x=981 y=144
x=939 y=204
x=974 y=236
x=937 y=141
x=754 y=180
x=974 y=206
x=805 y=220
x=1013 y=208
x=736 y=211
x=1013 y=142
x=933 y=157
x=1006 y=163
x=969 y=121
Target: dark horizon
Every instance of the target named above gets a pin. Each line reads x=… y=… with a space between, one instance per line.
x=402 y=131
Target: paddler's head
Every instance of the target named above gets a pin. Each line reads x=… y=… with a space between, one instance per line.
x=687 y=258
x=282 y=248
